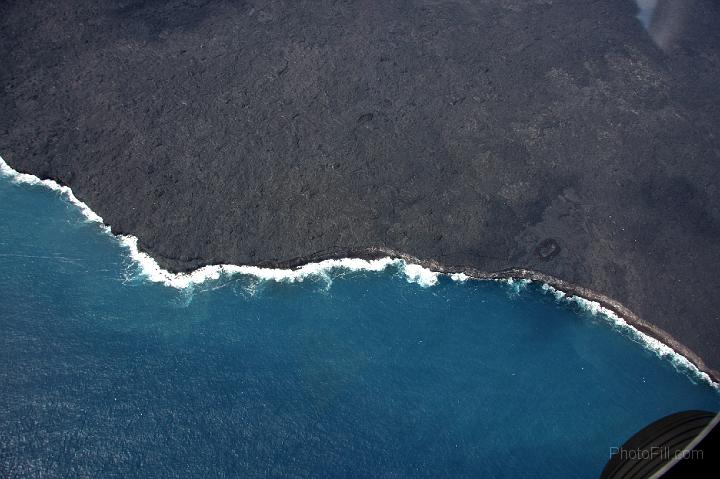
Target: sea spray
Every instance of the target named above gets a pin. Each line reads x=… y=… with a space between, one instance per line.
x=663 y=351
x=293 y=374
x=152 y=271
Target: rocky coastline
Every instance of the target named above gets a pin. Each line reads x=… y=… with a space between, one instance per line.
x=571 y=145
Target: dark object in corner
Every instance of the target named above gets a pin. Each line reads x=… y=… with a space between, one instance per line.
x=665 y=440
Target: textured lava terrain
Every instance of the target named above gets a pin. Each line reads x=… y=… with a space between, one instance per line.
x=562 y=137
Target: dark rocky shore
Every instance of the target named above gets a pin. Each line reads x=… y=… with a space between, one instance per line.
x=508 y=135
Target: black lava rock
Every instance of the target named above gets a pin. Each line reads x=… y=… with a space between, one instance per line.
x=465 y=132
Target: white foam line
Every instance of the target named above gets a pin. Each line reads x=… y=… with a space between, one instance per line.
x=420 y=275
x=459 y=277
x=516 y=285
x=7 y=170
x=663 y=351
x=151 y=270
x=414 y=273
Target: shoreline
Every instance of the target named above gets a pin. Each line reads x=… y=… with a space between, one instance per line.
x=376 y=258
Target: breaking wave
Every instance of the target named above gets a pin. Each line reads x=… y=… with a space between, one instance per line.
x=663 y=351
x=152 y=271
x=414 y=273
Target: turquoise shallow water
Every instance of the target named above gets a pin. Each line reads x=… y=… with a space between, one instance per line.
x=353 y=374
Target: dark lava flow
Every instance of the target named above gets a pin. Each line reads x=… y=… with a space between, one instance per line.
x=568 y=139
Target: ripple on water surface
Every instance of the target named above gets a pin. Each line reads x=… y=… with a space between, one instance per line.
x=358 y=370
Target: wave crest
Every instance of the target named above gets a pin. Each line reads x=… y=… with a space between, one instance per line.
x=414 y=273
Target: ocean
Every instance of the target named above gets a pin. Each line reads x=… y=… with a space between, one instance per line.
x=111 y=367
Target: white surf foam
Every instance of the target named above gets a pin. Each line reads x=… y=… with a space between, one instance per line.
x=417 y=274
x=555 y=292
x=663 y=351
x=425 y=277
x=516 y=285
x=7 y=170
x=459 y=277
x=152 y=271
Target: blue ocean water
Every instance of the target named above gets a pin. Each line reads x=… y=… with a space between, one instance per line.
x=353 y=374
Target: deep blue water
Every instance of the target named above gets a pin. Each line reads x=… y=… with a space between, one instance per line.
x=103 y=373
